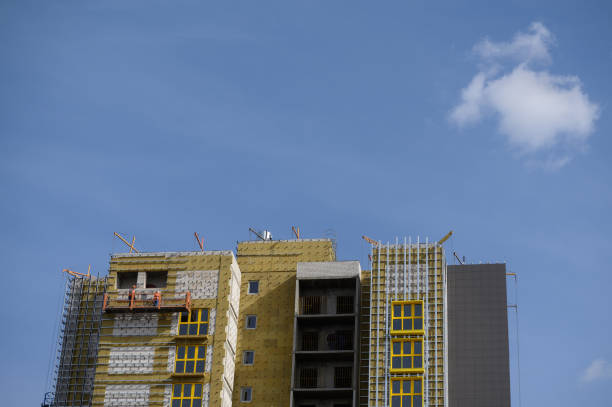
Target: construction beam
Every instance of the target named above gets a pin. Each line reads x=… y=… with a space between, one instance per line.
x=370 y=241
x=200 y=242
x=131 y=246
x=446 y=237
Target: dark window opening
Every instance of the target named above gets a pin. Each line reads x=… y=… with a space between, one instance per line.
x=341 y=340
x=127 y=279
x=248 y=357
x=251 y=321
x=342 y=377
x=246 y=394
x=308 y=377
x=312 y=305
x=157 y=279
x=344 y=304
x=254 y=287
x=310 y=341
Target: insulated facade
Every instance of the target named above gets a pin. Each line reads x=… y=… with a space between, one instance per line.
x=267 y=303
x=283 y=323
x=180 y=353
x=407 y=347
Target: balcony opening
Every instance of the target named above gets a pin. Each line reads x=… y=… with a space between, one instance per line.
x=344 y=304
x=310 y=341
x=311 y=305
x=308 y=377
x=156 y=279
x=341 y=340
x=127 y=279
x=343 y=377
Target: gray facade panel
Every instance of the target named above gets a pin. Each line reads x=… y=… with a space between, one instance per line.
x=479 y=367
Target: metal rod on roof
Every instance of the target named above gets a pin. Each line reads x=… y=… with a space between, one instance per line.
x=200 y=242
x=131 y=246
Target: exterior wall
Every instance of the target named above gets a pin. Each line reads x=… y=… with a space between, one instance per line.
x=136 y=353
x=274 y=265
x=408 y=272
x=479 y=368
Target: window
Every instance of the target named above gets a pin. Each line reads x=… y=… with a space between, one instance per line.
x=407 y=355
x=194 y=322
x=187 y=395
x=407 y=317
x=340 y=340
x=312 y=305
x=308 y=377
x=156 y=279
x=251 y=321
x=190 y=359
x=248 y=357
x=246 y=394
x=344 y=304
x=407 y=392
x=343 y=377
x=127 y=279
x=254 y=287
x=310 y=341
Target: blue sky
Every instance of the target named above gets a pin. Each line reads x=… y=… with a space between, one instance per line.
x=158 y=119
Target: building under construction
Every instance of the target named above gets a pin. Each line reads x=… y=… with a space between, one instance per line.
x=283 y=323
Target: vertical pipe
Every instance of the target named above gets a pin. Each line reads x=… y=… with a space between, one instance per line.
x=436 y=335
x=410 y=274
x=418 y=266
x=377 y=321
x=404 y=279
x=427 y=344
x=444 y=273
x=386 y=364
x=370 y=324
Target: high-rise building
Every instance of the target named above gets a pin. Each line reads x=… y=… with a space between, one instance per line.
x=283 y=323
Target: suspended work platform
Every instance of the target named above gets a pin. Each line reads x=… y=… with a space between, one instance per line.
x=146 y=302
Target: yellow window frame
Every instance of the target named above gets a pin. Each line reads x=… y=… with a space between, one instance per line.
x=400 y=320
x=406 y=392
x=194 y=394
x=194 y=322
x=402 y=356
x=190 y=359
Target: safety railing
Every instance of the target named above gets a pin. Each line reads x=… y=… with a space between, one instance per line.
x=136 y=300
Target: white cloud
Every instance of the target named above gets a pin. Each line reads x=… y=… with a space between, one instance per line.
x=537 y=111
x=599 y=369
x=526 y=47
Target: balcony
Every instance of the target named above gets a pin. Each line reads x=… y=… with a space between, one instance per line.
x=330 y=379
x=145 y=301
x=325 y=305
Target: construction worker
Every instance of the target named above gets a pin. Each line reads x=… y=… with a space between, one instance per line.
x=132 y=295
x=157 y=299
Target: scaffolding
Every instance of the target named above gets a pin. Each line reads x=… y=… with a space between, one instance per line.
x=406 y=272
x=76 y=349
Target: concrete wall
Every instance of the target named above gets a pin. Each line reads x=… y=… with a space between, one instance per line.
x=479 y=370
x=328 y=270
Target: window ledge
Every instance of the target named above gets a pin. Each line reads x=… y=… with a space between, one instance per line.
x=413 y=332
x=422 y=370
x=204 y=338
